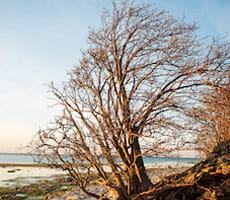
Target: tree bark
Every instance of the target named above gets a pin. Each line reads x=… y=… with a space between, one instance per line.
x=139 y=180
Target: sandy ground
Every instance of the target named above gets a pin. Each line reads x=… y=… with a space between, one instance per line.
x=24 y=175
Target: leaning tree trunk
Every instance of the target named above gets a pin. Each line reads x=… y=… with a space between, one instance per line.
x=139 y=180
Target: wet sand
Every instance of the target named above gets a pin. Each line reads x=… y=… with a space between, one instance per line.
x=25 y=174
x=13 y=175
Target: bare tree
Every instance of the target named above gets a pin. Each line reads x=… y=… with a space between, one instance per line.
x=214 y=115
x=124 y=99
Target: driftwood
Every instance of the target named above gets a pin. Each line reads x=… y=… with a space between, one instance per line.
x=209 y=179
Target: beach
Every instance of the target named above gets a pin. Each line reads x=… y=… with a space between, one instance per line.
x=21 y=175
x=23 y=178
x=34 y=182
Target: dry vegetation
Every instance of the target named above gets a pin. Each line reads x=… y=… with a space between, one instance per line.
x=214 y=116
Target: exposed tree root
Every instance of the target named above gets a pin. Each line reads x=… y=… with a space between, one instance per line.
x=209 y=179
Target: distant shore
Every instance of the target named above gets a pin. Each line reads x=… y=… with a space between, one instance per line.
x=23 y=165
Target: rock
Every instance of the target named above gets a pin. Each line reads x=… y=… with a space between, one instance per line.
x=64 y=188
x=11 y=171
x=69 y=179
x=20 y=196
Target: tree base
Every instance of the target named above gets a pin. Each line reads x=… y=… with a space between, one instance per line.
x=209 y=179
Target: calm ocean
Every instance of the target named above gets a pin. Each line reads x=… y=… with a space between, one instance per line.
x=29 y=159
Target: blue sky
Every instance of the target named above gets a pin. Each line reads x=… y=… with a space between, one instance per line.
x=40 y=40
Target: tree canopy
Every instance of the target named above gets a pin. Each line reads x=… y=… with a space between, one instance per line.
x=127 y=98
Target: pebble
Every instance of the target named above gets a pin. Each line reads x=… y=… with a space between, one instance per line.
x=20 y=196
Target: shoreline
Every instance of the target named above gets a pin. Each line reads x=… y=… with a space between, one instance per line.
x=14 y=175
x=22 y=165
x=148 y=165
x=61 y=186
x=35 y=171
x=34 y=182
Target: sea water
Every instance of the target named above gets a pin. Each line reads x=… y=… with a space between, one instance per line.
x=31 y=159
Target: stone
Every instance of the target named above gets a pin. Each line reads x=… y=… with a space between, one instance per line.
x=11 y=171
x=20 y=196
